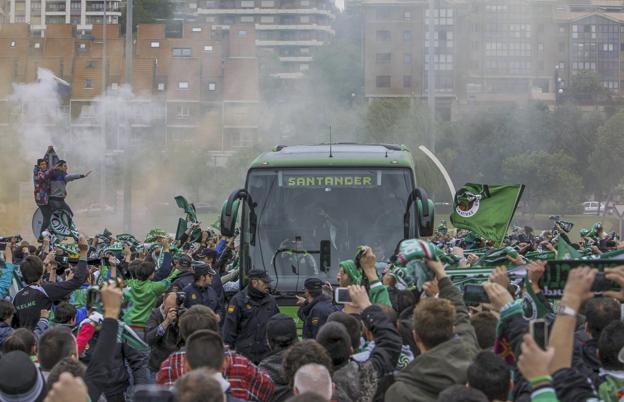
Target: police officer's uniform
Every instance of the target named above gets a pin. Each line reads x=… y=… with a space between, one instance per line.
x=315 y=313
x=246 y=317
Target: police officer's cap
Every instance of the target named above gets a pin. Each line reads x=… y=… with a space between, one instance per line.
x=259 y=274
x=313 y=284
x=185 y=261
x=201 y=269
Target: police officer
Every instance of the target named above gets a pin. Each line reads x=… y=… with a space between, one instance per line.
x=316 y=307
x=201 y=291
x=247 y=315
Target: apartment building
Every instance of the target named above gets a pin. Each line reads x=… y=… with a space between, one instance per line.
x=200 y=81
x=592 y=35
x=40 y=13
x=288 y=29
x=396 y=49
x=491 y=51
x=512 y=50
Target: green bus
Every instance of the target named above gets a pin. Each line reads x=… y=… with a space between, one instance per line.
x=307 y=207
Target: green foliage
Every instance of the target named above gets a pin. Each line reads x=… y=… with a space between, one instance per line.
x=606 y=157
x=147 y=12
x=553 y=181
x=586 y=88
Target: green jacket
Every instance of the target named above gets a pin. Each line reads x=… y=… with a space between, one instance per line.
x=446 y=364
x=141 y=297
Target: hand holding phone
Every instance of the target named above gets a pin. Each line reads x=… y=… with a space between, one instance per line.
x=342 y=296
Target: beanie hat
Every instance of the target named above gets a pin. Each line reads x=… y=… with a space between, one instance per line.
x=352 y=271
x=20 y=380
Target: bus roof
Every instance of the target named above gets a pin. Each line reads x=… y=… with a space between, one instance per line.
x=343 y=155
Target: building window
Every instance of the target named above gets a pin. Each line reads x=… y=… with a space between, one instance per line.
x=267 y=20
x=196 y=29
x=384 y=36
x=383 y=58
x=305 y=3
x=407 y=59
x=154 y=44
x=208 y=49
x=268 y=3
x=248 y=4
x=305 y=19
x=181 y=52
x=161 y=86
x=304 y=67
x=212 y=86
x=114 y=86
x=88 y=84
x=247 y=19
x=183 y=112
x=12 y=43
x=407 y=36
x=407 y=15
x=561 y=47
x=242 y=34
x=383 y=81
x=407 y=81
x=183 y=85
x=37 y=45
x=305 y=50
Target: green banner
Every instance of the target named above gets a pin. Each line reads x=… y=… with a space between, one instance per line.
x=486 y=210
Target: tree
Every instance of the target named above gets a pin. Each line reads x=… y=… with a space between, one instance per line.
x=147 y=12
x=550 y=179
x=606 y=158
x=586 y=89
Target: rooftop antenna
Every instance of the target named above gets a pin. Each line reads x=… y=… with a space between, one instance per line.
x=331 y=155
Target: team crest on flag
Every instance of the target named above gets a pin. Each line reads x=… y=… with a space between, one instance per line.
x=467 y=203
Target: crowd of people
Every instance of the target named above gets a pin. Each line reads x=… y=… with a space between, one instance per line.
x=170 y=321
x=171 y=318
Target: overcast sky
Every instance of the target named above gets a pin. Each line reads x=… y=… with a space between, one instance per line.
x=340 y=4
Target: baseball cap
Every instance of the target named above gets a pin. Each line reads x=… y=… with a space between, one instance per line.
x=259 y=274
x=313 y=284
x=203 y=269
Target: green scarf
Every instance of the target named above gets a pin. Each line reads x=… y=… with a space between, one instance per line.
x=352 y=271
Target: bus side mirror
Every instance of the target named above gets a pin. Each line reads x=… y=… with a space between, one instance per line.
x=325 y=258
x=229 y=213
x=425 y=222
x=424 y=211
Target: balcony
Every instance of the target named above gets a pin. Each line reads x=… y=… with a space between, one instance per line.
x=265 y=11
x=278 y=42
x=291 y=27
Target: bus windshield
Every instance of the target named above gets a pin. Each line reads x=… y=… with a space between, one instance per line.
x=296 y=209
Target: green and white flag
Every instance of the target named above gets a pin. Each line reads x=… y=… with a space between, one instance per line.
x=565 y=251
x=486 y=210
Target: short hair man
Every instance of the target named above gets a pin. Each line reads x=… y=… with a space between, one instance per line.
x=314 y=378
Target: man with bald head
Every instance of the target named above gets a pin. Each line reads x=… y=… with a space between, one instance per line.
x=314 y=378
x=161 y=331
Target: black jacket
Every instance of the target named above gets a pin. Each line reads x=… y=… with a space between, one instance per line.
x=315 y=314
x=272 y=364
x=359 y=381
x=117 y=379
x=207 y=296
x=30 y=300
x=99 y=367
x=182 y=280
x=244 y=328
x=162 y=343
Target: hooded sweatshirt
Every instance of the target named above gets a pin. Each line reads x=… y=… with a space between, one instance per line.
x=442 y=366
